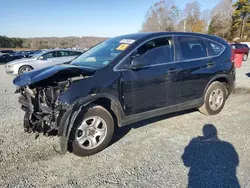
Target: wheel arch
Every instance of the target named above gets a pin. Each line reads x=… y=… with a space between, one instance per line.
x=108 y=101
x=223 y=78
x=25 y=65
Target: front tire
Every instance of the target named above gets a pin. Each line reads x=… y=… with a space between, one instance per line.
x=25 y=68
x=214 y=99
x=91 y=132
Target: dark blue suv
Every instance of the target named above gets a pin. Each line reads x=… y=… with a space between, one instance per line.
x=124 y=80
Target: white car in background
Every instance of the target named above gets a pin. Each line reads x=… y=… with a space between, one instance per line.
x=41 y=60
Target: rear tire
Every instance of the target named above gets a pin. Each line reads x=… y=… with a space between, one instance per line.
x=87 y=137
x=245 y=57
x=214 y=99
x=25 y=68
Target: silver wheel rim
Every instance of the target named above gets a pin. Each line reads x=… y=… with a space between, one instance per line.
x=91 y=133
x=26 y=69
x=245 y=57
x=216 y=99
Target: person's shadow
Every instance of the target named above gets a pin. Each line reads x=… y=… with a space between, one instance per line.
x=212 y=162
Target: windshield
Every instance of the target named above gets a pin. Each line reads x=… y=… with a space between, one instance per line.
x=35 y=55
x=102 y=54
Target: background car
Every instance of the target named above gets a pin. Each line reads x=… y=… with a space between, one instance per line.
x=34 y=52
x=18 y=55
x=4 y=58
x=239 y=48
x=41 y=60
x=6 y=51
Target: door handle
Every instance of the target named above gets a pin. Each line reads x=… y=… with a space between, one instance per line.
x=210 y=63
x=172 y=71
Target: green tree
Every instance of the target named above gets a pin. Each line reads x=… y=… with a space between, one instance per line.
x=240 y=16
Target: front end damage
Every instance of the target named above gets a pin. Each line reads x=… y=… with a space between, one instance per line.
x=42 y=111
x=39 y=93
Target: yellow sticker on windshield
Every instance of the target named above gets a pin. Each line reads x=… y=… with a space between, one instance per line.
x=122 y=47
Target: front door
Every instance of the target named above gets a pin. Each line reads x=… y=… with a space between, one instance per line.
x=46 y=60
x=154 y=84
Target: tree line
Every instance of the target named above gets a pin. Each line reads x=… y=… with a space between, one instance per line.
x=227 y=19
x=49 y=42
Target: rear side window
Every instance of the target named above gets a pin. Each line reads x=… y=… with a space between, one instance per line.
x=156 y=51
x=214 y=48
x=246 y=46
x=238 y=46
x=62 y=53
x=191 y=48
x=72 y=53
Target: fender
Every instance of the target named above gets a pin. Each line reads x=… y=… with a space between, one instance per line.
x=70 y=115
x=216 y=78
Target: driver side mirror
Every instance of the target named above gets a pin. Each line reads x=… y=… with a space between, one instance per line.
x=41 y=58
x=138 y=63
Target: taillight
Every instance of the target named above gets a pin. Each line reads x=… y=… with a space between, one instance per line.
x=233 y=55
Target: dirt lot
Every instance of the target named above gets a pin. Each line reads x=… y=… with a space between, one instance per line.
x=147 y=154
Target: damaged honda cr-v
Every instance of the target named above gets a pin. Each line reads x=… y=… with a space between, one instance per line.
x=124 y=80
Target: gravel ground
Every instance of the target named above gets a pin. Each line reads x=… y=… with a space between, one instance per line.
x=147 y=154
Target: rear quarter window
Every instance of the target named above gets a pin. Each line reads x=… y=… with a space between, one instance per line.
x=215 y=49
x=72 y=53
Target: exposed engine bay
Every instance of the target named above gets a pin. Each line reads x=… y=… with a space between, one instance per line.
x=39 y=99
x=41 y=107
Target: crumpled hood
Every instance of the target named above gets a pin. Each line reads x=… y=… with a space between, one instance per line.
x=66 y=72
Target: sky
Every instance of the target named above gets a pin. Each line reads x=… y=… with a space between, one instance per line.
x=60 y=18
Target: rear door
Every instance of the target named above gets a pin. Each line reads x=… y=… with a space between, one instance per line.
x=73 y=55
x=154 y=85
x=62 y=56
x=196 y=56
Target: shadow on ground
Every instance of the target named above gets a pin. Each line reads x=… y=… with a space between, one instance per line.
x=122 y=131
x=211 y=161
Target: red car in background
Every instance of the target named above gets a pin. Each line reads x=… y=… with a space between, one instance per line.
x=239 y=48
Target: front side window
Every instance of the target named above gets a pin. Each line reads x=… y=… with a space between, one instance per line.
x=49 y=55
x=156 y=51
x=191 y=48
x=104 y=53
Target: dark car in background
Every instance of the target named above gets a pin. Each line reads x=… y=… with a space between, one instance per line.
x=239 y=48
x=6 y=51
x=124 y=80
x=5 y=58
x=34 y=52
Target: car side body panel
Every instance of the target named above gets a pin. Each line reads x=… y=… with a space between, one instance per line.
x=133 y=95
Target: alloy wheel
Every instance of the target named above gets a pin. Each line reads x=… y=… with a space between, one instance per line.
x=91 y=133
x=216 y=99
